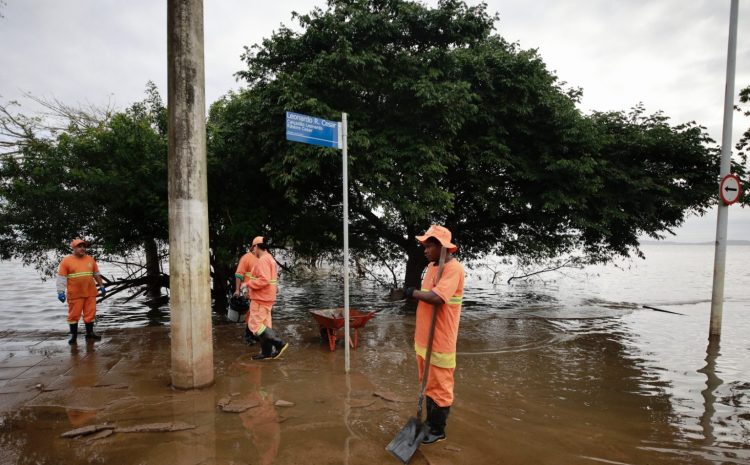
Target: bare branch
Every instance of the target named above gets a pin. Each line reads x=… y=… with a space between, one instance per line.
x=568 y=263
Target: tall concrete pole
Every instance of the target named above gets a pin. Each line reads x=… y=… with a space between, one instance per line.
x=720 y=255
x=189 y=274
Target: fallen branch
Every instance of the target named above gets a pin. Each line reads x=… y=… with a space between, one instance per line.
x=86 y=430
x=155 y=427
x=660 y=310
x=571 y=263
x=145 y=428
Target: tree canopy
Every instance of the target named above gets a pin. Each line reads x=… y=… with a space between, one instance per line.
x=450 y=123
x=105 y=180
x=743 y=146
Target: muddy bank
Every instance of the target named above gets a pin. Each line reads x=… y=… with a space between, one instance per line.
x=528 y=390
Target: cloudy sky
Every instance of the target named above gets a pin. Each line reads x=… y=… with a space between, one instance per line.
x=668 y=54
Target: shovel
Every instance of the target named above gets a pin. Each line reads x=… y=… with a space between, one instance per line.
x=410 y=437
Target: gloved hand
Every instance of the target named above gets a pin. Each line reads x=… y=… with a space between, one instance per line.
x=408 y=292
x=61 y=297
x=103 y=290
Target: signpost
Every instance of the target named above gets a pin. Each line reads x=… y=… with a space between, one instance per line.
x=730 y=189
x=317 y=131
x=722 y=217
x=312 y=130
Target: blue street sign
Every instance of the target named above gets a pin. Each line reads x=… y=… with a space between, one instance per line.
x=312 y=130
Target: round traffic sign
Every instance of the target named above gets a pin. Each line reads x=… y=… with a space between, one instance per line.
x=730 y=189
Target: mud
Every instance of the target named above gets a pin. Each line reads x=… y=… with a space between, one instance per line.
x=528 y=391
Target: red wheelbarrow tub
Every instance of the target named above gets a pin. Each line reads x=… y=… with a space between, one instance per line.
x=330 y=320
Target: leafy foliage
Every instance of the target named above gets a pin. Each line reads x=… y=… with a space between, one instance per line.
x=743 y=146
x=451 y=124
x=106 y=182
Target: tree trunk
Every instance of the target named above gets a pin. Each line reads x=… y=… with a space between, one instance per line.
x=415 y=264
x=153 y=269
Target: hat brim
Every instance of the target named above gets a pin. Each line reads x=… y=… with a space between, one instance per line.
x=451 y=247
x=79 y=243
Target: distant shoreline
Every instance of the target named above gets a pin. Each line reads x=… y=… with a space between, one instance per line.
x=732 y=242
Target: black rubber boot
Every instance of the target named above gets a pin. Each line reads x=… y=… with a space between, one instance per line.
x=266 y=347
x=278 y=344
x=73 y=334
x=436 y=418
x=250 y=338
x=271 y=344
x=90 y=332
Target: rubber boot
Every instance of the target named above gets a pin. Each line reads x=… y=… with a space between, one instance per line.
x=73 y=334
x=90 y=332
x=276 y=342
x=266 y=347
x=250 y=338
x=436 y=418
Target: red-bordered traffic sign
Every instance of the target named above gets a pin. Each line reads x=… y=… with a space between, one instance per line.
x=730 y=189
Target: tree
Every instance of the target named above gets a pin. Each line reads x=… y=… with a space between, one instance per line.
x=743 y=146
x=452 y=124
x=101 y=176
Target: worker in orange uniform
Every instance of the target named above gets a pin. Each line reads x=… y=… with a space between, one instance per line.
x=263 y=286
x=447 y=294
x=241 y=279
x=78 y=276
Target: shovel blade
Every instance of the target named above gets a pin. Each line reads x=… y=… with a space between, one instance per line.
x=407 y=440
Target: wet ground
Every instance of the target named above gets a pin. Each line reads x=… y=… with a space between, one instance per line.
x=566 y=369
x=528 y=391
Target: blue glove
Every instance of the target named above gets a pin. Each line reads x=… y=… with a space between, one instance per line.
x=408 y=292
x=104 y=291
x=61 y=297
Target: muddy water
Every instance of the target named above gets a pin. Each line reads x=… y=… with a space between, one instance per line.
x=569 y=370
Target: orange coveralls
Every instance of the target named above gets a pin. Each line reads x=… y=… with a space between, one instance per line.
x=243 y=273
x=443 y=359
x=263 y=286
x=81 y=288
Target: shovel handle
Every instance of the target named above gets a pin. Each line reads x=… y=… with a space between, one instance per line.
x=428 y=355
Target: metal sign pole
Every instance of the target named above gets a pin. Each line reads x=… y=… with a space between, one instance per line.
x=346 y=242
x=317 y=131
x=717 y=296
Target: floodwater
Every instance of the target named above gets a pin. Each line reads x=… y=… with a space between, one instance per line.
x=570 y=369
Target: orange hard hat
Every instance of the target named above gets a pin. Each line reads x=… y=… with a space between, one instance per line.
x=77 y=241
x=442 y=234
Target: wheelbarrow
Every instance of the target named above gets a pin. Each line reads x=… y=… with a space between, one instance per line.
x=330 y=320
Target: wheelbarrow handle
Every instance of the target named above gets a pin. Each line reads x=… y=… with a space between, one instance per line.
x=428 y=355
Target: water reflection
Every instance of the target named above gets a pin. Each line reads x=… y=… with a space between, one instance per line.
x=579 y=367
x=260 y=422
x=713 y=382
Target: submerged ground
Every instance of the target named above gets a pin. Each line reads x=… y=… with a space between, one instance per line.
x=533 y=390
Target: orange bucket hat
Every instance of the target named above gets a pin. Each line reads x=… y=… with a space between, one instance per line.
x=258 y=240
x=76 y=242
x=442 y=234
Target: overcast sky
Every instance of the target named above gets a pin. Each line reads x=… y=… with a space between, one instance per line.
x=668 y=54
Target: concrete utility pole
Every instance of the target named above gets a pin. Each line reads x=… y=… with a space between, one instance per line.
x=189 y=274
x=720 y=255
